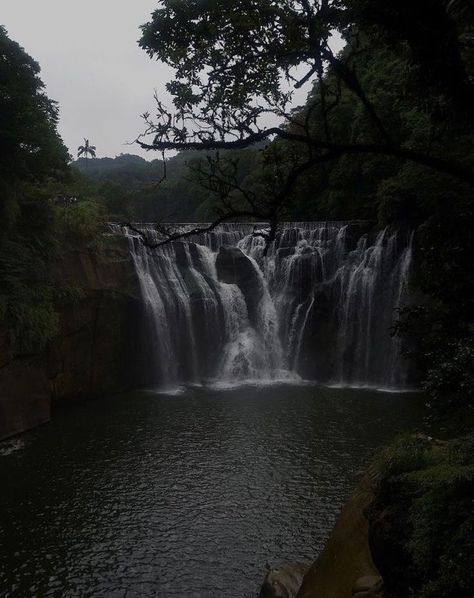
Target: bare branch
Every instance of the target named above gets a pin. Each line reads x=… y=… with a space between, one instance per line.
x=444 y=166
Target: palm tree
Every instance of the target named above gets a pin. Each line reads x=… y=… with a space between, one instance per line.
x=86 y=149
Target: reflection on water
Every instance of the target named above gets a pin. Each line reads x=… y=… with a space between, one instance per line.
x=186 y=495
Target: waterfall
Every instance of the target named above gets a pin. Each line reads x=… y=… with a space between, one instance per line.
x=319 y=305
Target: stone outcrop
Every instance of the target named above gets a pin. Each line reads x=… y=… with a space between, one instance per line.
x=284 y=581
x=91 y=355
x=407 y=528
x=345 y=568
x=234 y=267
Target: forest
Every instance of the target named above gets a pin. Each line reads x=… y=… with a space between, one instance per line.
x=385 y=140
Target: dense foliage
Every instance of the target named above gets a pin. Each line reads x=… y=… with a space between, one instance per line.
x=421 y=522
x=134 y=189
x=36 y=226
x=30 y=148
x=31 y=154
x=229 y=61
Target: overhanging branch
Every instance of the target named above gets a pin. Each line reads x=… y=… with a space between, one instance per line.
x=440 y=165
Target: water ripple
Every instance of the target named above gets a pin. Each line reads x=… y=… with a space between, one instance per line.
x=190 y=495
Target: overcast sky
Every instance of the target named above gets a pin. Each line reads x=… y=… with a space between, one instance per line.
x=92 y=65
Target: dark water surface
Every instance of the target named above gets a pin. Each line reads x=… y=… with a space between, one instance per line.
x=189 y=495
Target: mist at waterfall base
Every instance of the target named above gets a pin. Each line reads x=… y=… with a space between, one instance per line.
x=318 y=307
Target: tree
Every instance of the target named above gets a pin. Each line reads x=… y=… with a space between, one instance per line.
x=30 y=147
x=86 y=150
x=32 y=155
x=231 y=59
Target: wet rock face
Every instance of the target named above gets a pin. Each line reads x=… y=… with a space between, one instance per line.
x=234 y=267
x=283 y=582
x=91 y=355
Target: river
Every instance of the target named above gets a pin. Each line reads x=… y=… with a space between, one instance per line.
x=184 y=494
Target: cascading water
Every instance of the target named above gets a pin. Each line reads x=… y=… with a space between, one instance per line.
x=318 y=306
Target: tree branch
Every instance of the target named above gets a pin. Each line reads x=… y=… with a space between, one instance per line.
x=179 y=235
x=444 y=166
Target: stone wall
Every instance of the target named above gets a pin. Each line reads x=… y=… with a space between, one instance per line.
x=93 y=353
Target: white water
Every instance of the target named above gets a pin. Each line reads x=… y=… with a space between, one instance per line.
x=319 y=306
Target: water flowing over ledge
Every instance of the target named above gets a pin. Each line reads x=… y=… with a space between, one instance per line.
x=318 y=306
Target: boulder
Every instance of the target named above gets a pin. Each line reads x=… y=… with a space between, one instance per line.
x=345 y=567
x=284 y=581
x=234 y=267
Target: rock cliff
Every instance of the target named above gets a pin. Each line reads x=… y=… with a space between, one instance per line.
x=91 y=355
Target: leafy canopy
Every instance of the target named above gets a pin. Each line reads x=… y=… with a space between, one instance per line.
x=30 y=147
x=231 y=59
x=31 y=156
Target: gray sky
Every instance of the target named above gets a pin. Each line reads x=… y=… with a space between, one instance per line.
x=92 y=65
